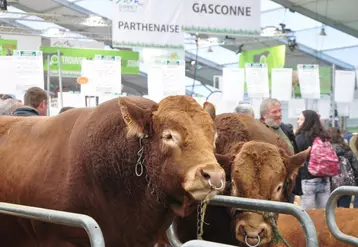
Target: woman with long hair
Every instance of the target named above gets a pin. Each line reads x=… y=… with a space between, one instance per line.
x=343 y=150
x=315 y=190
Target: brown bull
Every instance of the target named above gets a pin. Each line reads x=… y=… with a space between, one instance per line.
x=130 y=166
x=291 y=229
x=263 y=168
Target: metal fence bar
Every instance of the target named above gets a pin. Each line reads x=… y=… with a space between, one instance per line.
x=202 y=243
x=57 y=217
x=331 y=216
x=261 y=205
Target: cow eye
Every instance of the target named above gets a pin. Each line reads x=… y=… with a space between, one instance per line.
x=279 y=188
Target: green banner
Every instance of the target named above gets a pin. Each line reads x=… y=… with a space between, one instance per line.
x=274 y=57
x=7 y=47
x=71 y=59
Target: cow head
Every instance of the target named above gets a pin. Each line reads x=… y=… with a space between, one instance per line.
x=261 y=171
x=178 y=136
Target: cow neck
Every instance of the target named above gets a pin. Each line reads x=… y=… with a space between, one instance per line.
x=143 y=170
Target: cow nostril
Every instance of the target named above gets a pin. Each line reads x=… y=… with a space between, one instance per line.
x=205 y=174
x=242 y=230
x=262 y=233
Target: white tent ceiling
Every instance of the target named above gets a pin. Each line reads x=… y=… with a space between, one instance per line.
x=72 y=16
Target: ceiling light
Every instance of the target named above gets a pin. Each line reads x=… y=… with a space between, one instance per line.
x=323 y=32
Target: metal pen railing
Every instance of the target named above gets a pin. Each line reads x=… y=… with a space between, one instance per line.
x=331 y=216
x=57 y=217
x=258 y=205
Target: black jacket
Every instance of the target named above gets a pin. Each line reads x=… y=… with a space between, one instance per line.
x=303 y=142
x=25 y=111
x=288 y=130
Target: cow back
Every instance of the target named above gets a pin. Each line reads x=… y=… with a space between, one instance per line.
x=233 y=128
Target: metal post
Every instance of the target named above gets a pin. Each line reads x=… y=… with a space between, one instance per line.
x=332 y=94
x=48 y=83
x=60 y=76
x=331 y=217
x=58 y=217
x=261 y=205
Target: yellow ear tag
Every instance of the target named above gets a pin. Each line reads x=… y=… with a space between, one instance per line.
x=127 y=119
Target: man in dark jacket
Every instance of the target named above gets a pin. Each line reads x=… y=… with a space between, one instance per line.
x=35 y=103
x=271 y=115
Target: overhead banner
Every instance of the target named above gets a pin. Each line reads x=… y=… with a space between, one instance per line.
x=7 y=47
x=144 y=23
x=225 y=17
x=71 y=59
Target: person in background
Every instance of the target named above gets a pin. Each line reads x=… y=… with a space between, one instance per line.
x=8 y=106
x=353 y=144
x=271 y=115
x=66 y=108
x=245 y=109
x=343 y=149
x=35 y=103
x=6 y=96
x=315 y=190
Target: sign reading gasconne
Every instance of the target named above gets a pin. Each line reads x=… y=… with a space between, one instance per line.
x=147 y=23
x=235 y=17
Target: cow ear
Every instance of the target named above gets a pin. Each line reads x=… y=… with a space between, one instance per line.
x=294 y=162
x=210 y=108
x=136 y=117
x=237 y=147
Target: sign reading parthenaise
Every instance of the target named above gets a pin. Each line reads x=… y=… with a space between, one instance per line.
x=147 y=23
x=235 y=17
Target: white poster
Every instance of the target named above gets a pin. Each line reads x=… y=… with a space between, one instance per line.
x=256 y=104
x=233 y=84
x=73 y=99
x=353 y=109
x=296 y=107
x=343 y=109
x=308 y=75
x=7 y=83
x=281 y=80
x=256 y=76
x=344 y=86
x=165 y=80
x=231 y=17
x=324 y=108
x=29 y=71
x=147 y=23
x=104 y=76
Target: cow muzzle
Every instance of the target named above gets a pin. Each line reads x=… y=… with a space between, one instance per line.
x=205 y=181
x=216 y=180
x=252 y=235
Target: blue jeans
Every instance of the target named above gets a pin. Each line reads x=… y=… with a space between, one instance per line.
x=345 y=201
x=316 y=192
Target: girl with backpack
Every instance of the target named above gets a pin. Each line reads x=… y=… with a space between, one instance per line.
x=321 y=164
x=348 y=166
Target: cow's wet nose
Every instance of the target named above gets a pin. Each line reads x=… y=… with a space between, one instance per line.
x=252 y=237
x=216 y=179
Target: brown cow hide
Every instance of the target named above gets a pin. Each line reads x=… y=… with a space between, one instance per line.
x=291 y=229
x=233 y=131
x=83 y=161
